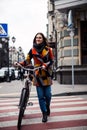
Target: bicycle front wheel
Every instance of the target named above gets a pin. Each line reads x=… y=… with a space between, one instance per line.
x=22 y=108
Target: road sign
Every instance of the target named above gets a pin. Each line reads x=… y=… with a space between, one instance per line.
x=3 y=30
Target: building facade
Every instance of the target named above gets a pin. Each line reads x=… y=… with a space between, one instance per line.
x=15 y=55
x=4 y=53
x=9 y=54
x=58 y=13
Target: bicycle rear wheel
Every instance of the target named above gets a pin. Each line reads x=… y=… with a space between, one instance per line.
x=22 y=108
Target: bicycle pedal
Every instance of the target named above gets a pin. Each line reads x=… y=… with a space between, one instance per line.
x=30 y=104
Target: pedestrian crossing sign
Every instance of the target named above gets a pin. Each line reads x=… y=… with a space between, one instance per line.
x=3 y=30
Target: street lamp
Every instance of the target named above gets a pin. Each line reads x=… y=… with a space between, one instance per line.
x=0 y=55
x=19 y=52
x=13 y=40
x=71 y=29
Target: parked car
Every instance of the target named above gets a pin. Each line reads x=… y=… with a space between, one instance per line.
x=2 y=75
x=16 y=74
x=5 y=73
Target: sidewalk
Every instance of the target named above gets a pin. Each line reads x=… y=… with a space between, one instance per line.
x=57 y=89
x=62 y=89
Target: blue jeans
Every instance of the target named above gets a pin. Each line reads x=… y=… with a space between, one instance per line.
x=44 y=97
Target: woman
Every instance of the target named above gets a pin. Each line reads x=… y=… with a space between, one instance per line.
x=42 y=56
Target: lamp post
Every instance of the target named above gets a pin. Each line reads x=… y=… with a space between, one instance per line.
x=71 y=29
x=13 y=40
x=19 y=53
x=0 y=55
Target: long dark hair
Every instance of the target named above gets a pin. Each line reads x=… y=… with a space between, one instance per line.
x=44 y=38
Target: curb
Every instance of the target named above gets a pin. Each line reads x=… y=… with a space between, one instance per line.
x=71 y=93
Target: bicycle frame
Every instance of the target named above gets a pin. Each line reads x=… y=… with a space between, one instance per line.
x=25 y=93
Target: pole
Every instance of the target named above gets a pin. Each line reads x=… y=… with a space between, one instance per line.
x=71 y=29
x=0 y=55
x=8 y=77
x=71 y=35
x=18 y=56
x=13 y=40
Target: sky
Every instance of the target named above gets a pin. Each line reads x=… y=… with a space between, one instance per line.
x=24 y=18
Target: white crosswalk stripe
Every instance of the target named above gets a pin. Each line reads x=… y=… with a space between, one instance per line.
x=67 y=113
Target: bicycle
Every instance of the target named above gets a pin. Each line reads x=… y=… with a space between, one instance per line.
x=25 y=93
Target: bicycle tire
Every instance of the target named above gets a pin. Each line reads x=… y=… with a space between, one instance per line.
x=21 y=98
x=22 y=107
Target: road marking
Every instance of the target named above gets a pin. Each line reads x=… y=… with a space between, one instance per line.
x=17 y=94
x=65 y=114
x=38 y=120
x=9 y=94
x=74 y=128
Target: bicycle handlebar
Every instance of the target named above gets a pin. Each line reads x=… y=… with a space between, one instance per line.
x=28 y=69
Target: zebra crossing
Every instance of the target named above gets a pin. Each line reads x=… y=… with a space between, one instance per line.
x=67 y=113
